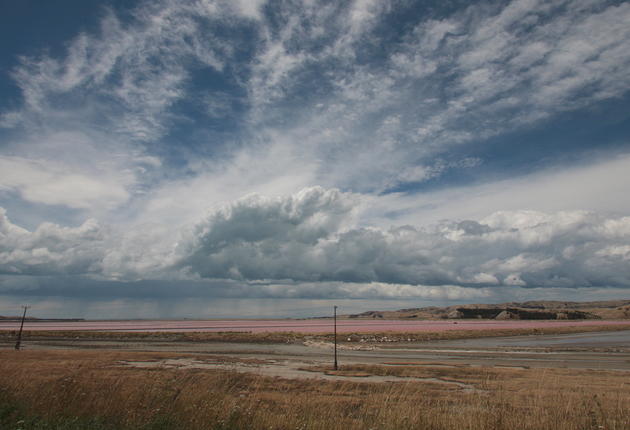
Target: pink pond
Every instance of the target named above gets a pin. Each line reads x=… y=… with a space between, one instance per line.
x=303 y=326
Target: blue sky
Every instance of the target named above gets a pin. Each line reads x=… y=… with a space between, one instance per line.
x=378 y=154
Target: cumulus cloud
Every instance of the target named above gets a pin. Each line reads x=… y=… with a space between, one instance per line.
x=50 y=249
x=300 y=238
x=258 y=238
x=295 y=244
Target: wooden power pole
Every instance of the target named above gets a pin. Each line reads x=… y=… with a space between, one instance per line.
x=19 y=338
x=335 y=325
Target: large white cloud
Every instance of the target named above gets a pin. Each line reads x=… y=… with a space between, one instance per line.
x=51 y=249
x=300 y=238
x=258 y=238
x=311 y=238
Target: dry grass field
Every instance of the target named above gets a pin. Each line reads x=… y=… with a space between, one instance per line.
x=83 y=389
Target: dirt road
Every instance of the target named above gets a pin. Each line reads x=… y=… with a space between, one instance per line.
x=600 y=350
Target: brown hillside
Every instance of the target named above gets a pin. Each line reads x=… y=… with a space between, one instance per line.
x=531 y=310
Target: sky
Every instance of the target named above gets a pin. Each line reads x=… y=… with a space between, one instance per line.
x=247 y=158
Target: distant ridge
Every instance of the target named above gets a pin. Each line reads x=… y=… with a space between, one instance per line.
x=530 y=310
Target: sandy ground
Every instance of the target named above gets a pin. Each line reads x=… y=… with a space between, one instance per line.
x=599 y=350
x=291 y=369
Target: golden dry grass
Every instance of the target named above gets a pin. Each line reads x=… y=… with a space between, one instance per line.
x=58 y=385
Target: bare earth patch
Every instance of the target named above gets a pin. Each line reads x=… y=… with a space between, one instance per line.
x=287 y=370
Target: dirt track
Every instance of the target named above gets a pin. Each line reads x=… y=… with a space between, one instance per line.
x=600 y=350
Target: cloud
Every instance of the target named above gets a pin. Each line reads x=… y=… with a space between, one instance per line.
x=300 y=238
x=85 y=287
x=43 y=182
x=50 y=249
x=357 y=291
x=257 y=235
x=302 y=99
x=144 y=252
x=128 y=75
x=294 y=244
x=77 y=169
x=480 y=72
x=86 y=133
x=327 y=79
x=271 y=169
x=597 y=186
x=515 y=64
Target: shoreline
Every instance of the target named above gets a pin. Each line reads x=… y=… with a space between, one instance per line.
x=459 y=331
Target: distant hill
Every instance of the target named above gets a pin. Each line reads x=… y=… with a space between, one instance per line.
x=531 y=310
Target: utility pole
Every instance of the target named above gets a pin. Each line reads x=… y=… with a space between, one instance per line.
x=335 y=320
x=19 y=338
